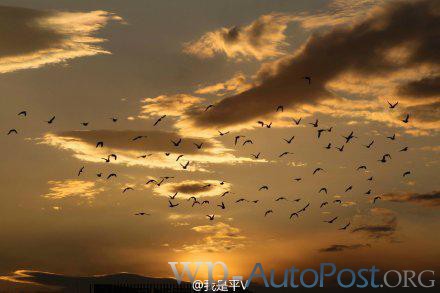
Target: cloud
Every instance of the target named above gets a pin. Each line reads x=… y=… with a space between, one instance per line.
x=263 y=38
x=431 y=199
x=219 y=237
x=342 y=247
x=236 y=84
x=72 y=188
x=366 y=49
x=83 y=146
x=41 y=37
x=425 y=88
x=188 y=188
x=385 y=227
x=174 y=105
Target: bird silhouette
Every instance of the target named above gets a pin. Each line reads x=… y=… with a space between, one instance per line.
x=331 y=221
x=337 y=201
x=224 y=193
x=393 y=137
x=100 y=144
x=404 y=149
x=376 y=198
x=289 y=140
x=80 y=170
x=151 y=181
x=141 y=214
x=368 y=192
x=308 y=78
x=99 y=175
x=280 y=108
x=268 y=212
x=185 y=166
x=297 y=121
x=22 y=113
x=209 y=107
x=406 y=173
x=406 y=119
x=329 y=146
x=127 y=189
x=222 y=133
x=172 y=205
x=341 y=149
x=144 y=156
x=264 y=187
x=199 y=146
x=178 y=157
x=361 y=167
x=248 y=141
x=369 y=145
x=205 y=202
x=349 y=188
x=280 y=198
x=315 y=124
x=392 y=106
x=51 y=120
x=349 y=137
x=285 y=154
x=159 y=120
x=138 y=137
x=114 y=156
x=222 y=206
x=210 y=217
x=114 y=119
x=255 y=201
x=84 y=123
x=173 y=196
x=176 y=143
x=345 y=227
x=241 y=200
x=317 y=170
x=111 y=175
x=237 y=138
x=323 y=189
x=256 y=156
x=370 y=178
x=297 y=179
x=107 y=160
x=12 y=131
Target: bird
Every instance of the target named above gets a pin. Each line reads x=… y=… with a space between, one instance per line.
x=178 y=157
x=304 y=208
x=370 y=178
x=22 y=113
x=139 y=137
x=222 y=206
x=160 y=119
x=167 y=154
x=172 y=205
x=173 y=196
x=294 y=214
x=323 y=189
x=268 y=212
x=315 y=124
x=368 y=192
x=345 y=227
x=404 y=149
x=349 y=188
x=194 y=203
x=208 y=107
x=264 y=187
x=261 y=123
x=248 y=141
x=51 y=120
x=256 y=156
x=237 y=138
x=151 y=181
x=337 y=201
x=176 y=143
x=127 y=189
x=224 y=193
x=240 y=200
x=297 y=121
x=99 y=175
x=329 y=129
x=317 y=170
x=376 y=198
x=193 y=198
x=12 y=131
x=308 y=78
x=331 y=221
x=323 y=204
x=80 y=170
x=349 y=137
x=361 y=167
x=284 y=154
x=289 y=140
x=281 y=107
x=280 y=198
x=369 y=145
x=205 y=202
x=222 y=133
x=297 y=179
x=406 y=173
x=320 y=131
x=393 y=137
x=114 y=156
x=199 y=146
x=329 y=146
x=341 y=149
x=100 y=144
x=185 y=166
x=255 y=201
x=144 y=156
x=111 y=175
x=141 y=214
x=114 y=119
x=269 y=125
x=210 y=217
x=392 y=106
x=406 y=119
x=107 y=160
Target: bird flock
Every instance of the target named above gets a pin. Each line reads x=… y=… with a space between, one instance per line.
x=173 y=200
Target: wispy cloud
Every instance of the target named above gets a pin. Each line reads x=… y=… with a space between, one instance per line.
x=72 y=188
x=431 y=199
x=343 y=247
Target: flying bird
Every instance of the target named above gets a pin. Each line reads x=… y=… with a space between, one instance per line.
x=222 y=206
x=345 y=227
x=22 y=113
x=406 y=173
x=349 y=137
x=323 y=189
x=284 y=154
x=308 y=78
x=199 y=146
x=172 y=205
x=323 y=204
x=393 y=137
x=280 y=108
x=248 y=141
x=210 y=217
x=237 y=138
x=289 y=140
x=406 y=119
x=208 y=107
x=173 y=196
x=376 y=198
x=178 y=157
x=12 y=131
x=349 y=188
x=51 y=120
x=369 y=145
x=317 y=170
x=114 y=119
x=392 y=106
x=404 y=149
x=176 y=143
x=331 y=221
x=185 y=166
x=160 y=119
x=329 y=146
x=294 y=214
x=268 y=212
x=264 y=187
x=361 y=167
x=127 y=189
x=111 y=175
x=315 y=124
x=341 y=149
x=80 y=170
x=100 y=144
x=141 y=214
x=297 y=121
x=139 y=137
x=222 y=133
x=84 y=123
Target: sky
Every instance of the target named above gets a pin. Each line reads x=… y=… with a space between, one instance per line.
x=228 y=78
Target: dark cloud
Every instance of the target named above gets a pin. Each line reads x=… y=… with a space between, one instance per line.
x=342 y=247
x=192 y=187
x=423 y=88
x=385 y=229
x=363 y=49
x=156 y=141
x=427 y=199
x=20 y=32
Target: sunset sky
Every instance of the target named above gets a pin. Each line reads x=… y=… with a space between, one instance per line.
x=136 y=61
